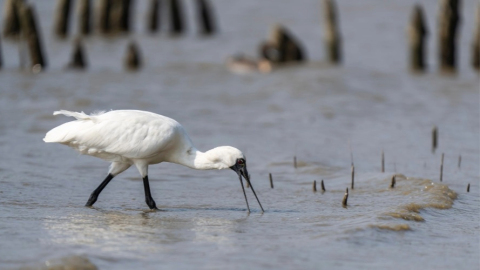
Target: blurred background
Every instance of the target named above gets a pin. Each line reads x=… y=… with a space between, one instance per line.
x=264 y=80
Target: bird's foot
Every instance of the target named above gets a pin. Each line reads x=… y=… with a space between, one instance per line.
x=151 y=204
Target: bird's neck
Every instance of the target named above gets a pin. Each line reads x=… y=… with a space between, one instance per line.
x=196 y=159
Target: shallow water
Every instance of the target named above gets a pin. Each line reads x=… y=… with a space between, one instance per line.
x=314 y=112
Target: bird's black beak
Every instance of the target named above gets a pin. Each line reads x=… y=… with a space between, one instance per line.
x=242 y=171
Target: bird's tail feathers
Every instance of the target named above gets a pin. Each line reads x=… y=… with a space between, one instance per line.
x=78 y=115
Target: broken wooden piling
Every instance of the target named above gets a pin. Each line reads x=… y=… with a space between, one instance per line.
x=30 y=33
x=323 y=186
x=103 y=20
x=78 y=60
x=314 y=187
x=84 y=10
x=331 y=36
x=468 y=187
x=62 y=16
x=434 y=138
x=205 y=17
x=176 y=17
x=11 y=15
x=353 y=176
x=476 y=42
x=417 y=32
x=282 y=47
x=345 y=198
x=441 y=168
x=153 y=16
x=393 y=182
x=448 y=21
x=383 y=161
x=133 y=59
x=271 y=180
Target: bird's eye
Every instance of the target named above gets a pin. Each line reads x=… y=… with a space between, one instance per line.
x=241 y=161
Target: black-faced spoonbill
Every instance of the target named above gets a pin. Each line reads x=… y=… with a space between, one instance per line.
x=129 y=137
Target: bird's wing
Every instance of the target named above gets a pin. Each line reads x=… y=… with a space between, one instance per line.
x=128 y=134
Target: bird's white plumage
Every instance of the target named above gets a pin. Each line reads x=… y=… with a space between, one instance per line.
x=127 y=137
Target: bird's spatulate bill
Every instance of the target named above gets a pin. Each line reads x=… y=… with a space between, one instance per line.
x=253 y=190
x=244 y=194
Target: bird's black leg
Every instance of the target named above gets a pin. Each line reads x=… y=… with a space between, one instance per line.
x=148 y=196
x=96 y=192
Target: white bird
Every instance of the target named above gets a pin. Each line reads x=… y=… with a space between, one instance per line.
x=130 y=137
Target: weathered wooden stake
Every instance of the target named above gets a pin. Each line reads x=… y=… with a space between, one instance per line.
x=332 y=37
x=383 y=161
x=459 y=161
x=28 y=25
x=476 y=43
x=449 y=18
x=62 y=16
x=176 y=17
x=295 y=162
x=78 y=60
x=417 y=32
x=323 y=186
x=205 y=17
x=126 y=15
x=441 y=168
x=11 y=21
x=271 y=180
x=103 y=22
x=468 y=187
x=153 y=16
x=353 y=176
x=345 y=198
x=392 y=184
x=133 y=59
x=282 y=47
x=314 y=187
x=434 y=138
x=84 y=10
x=1 y=59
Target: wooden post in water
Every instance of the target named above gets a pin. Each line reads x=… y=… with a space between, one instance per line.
x=345 y=198
x=476 y=43
x=282 y=47
x=468 y=187
x=153 y=16
x=11 y=15
x=133 y=59
x=383 y=161
x=441 y=168
x=332 y=37
x=78 y=60
x=84 y=10
x=393 y=182
x=449 y=18
x=176 y=17
x=314 y=187
x=323 y=186
x=103 y=21
x=62 y=16
x=417 y=31
x=434 y=138
x=271 y=180
x=205 y=17
x=126 y=15
x=30 y=33
x=353 y=176
x=1 y=59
